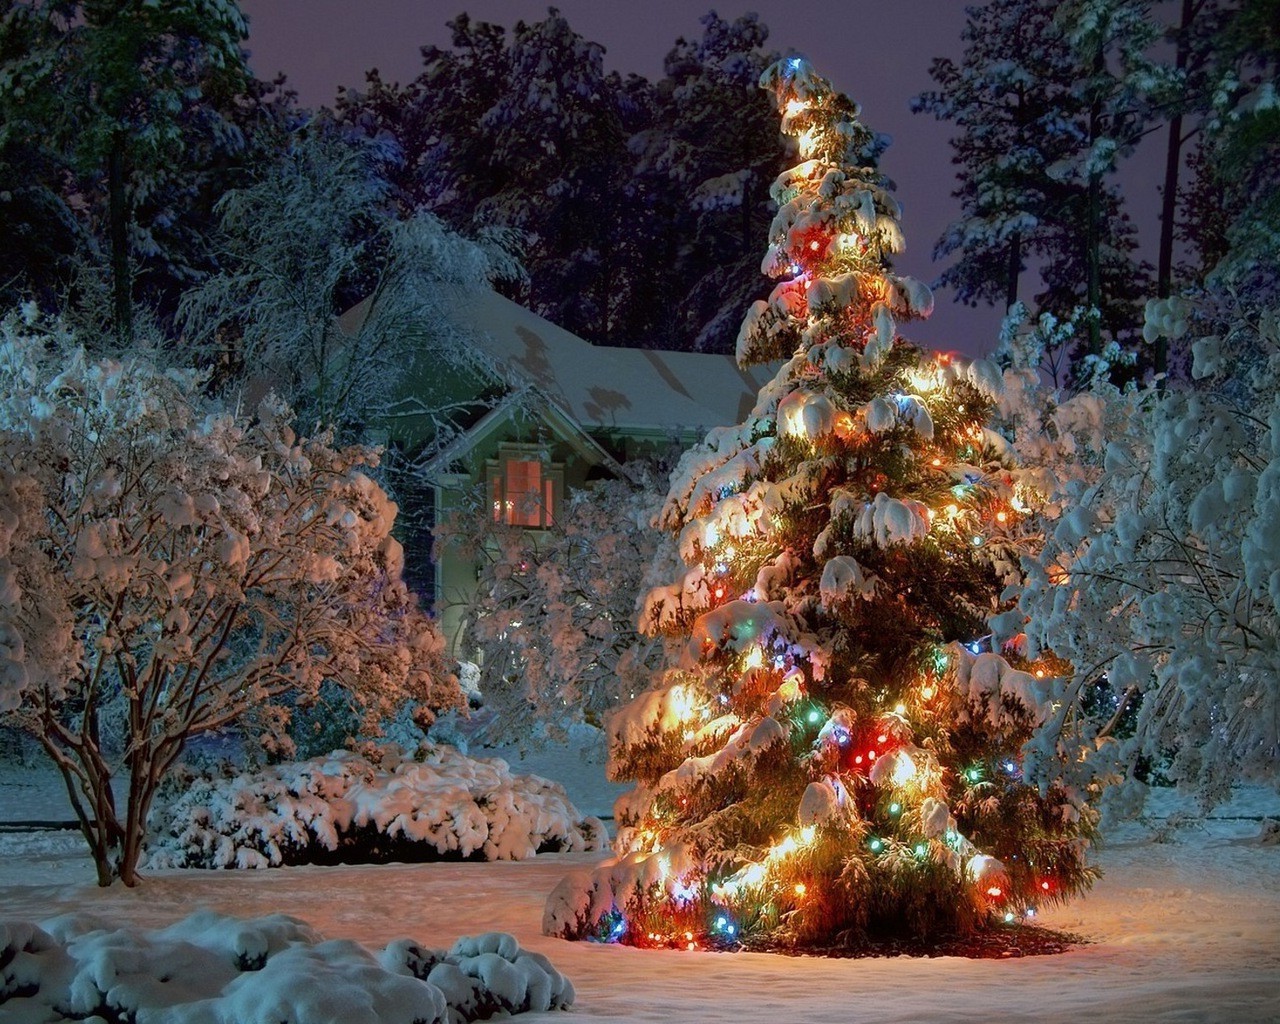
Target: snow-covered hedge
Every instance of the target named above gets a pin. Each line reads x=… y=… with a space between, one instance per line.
x=345 y=809
x=209 y=969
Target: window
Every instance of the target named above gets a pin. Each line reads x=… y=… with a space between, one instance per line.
x=523 y=490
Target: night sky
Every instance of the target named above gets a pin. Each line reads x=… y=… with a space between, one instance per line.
x=878 y=53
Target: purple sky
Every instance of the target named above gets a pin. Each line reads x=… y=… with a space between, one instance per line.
x=877 y=53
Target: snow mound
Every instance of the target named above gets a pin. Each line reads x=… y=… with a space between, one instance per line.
x=210 y=968
x=344 y=808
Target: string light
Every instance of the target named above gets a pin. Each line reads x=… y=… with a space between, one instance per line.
x=904 y=770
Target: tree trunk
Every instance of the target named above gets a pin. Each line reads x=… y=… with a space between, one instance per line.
x=1093 y=230
x=89 y=784
x=1093 y=264
x=118 y=213
x=1013 y=271
x=1169 y=199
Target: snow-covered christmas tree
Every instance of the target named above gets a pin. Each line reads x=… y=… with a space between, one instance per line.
x=834 y=753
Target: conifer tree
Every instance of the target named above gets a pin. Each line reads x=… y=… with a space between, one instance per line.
x=834 y=755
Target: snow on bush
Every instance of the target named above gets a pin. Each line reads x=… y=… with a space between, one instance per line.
x=344 y=808
x=169 y=566
x=210 y=968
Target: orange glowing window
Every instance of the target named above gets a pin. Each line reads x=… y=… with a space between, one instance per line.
x=523 y=492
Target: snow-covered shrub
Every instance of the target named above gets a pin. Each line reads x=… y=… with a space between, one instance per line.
x=347 y=809
x=1159 y=581
x=210 y=968
x=182 y=565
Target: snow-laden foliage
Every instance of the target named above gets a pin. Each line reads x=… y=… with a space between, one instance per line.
x=350 y=809
x=831 y=750
x=120 y=123
x=300 y=246
x=1160 y=577
x=552 y=625
x=210 y=968
x=1159 y=581
x=185 y=566
x=1046 y=99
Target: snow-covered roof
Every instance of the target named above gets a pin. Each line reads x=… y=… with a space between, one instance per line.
x=624 y=389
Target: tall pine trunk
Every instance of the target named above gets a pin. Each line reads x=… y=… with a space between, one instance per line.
x=1169 y=199
x=118 y=214
x=1013 y=270
x=1093 y=230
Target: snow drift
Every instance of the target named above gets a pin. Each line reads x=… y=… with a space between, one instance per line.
x=210 y=968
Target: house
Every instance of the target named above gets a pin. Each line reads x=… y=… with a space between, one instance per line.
x=554 y=413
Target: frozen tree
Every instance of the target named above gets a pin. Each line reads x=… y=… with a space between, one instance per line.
x=1119 y=88
x=1009 y=96
x=298 y=248
x=552 y=625
x=834 y=752
x=179 y=567
x=1025 y=109
x=117 y=87
x=1160 y=582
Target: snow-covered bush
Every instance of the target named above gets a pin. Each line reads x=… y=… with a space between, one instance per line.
x=179 y=566
x=552 y=625
x=1160 y=577
x=344 y=808
x=210 y=968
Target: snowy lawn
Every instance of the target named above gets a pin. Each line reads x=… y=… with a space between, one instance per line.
x=1187 y=930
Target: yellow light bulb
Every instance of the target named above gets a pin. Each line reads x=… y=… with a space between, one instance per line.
x=755 y=658
x=904 y=770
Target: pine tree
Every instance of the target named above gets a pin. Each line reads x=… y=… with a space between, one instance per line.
x=827 y=761
x=119 y=89
x=1041 y=128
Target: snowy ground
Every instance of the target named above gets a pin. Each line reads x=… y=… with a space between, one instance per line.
x=1180 y=930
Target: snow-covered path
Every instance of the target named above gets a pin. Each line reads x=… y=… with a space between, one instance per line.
x=1180 y=931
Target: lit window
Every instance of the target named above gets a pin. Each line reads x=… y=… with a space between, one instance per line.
x=523 y=492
